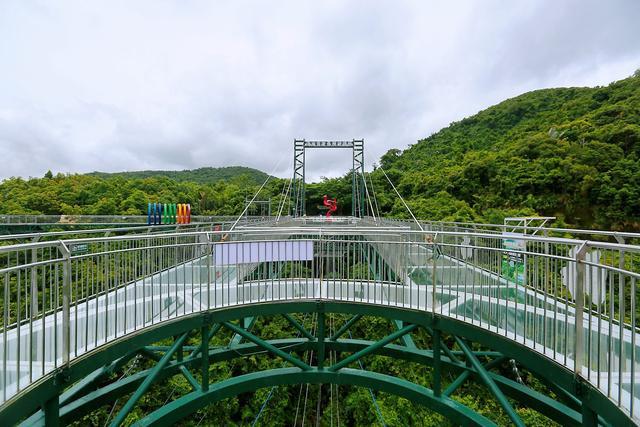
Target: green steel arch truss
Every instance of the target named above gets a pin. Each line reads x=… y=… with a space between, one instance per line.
x=81 y=388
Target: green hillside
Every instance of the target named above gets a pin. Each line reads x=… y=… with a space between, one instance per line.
x=206 y=175
x=573 y=153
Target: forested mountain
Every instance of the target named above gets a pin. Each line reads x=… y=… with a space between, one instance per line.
x=201 y=175
x=211 y=191
x=91 y=195
x=573 y=153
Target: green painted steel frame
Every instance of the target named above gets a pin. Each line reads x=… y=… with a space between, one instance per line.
x=45 y=393
x=94 y=399
x=358 y=208
x=195 y=400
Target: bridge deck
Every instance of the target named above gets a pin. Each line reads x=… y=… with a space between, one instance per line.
x=420 y=276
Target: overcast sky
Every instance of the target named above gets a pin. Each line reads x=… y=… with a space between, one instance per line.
x=131 y=85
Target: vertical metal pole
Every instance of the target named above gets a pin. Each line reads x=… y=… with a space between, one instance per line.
x=204 y=332
x=52 y=412
x=437 y=389
x=353 y=182
x=34 y=281
x=580 y=278
x=589 y=416
x=303 y=199
x=66 y=302
x=320 y=336
x=433 y=275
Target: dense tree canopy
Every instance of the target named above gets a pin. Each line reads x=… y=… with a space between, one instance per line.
x=573 y=153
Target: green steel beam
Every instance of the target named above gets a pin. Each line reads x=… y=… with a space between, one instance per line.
x=345 y=327
x=456 y=383
x=79 y=407
x=187 y=375
x=33 y=397
x=151 y=352
x=52 y=412
x=491 y=385
x=214 y=330
x=185 y=405
x=204 y=351
x=544 y=404
x=437 y=364
x=451 y=354
x=298 y=326
x=247 y=323
x=365 y=351
x=463 y=376
x=320 y=332
x=89 y=381
x=408 y=341
x=264 y=344
x=120 y=417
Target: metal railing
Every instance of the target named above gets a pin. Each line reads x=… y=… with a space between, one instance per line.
x=573 y=301
x=585 y=234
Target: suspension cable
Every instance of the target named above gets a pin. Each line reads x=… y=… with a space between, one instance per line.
x=332 y=330
x=266 y=400
x=331 y=363
x=257 y=192
x=373 y=397
x=405 y=203
x=284 y=200
x=310 y=354
x=133 y=365
x=366 y=190
x=375 y=198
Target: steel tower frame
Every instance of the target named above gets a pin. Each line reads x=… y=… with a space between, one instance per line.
x=358 y=207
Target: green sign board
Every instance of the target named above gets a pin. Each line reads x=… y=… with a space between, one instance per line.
x=80 y=249
x=513 y=261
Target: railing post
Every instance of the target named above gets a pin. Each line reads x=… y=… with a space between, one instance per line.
x=33 y=310
x=66 y=302
x=437 y=370
x=434 y=277
x=579 y=332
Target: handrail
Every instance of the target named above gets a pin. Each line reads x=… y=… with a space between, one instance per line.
x=552 y=294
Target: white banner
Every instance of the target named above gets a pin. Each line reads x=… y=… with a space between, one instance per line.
x=269 y=251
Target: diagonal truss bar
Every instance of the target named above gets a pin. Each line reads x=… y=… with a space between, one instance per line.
x=562 y=414
x=247 y=323
x=373 y=347
x=88 y=381
x=262 y=343
x=298 y=326
x=463 y=376
x=450 y=354
x=148 y=381
x=408 y=341
x=187 y=375
x=491 y=385
x=346 y=326
x=214 y=330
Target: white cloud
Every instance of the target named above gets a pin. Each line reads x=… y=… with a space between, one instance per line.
x=172 y=84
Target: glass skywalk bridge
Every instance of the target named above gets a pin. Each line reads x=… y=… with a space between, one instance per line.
x=574 y=301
